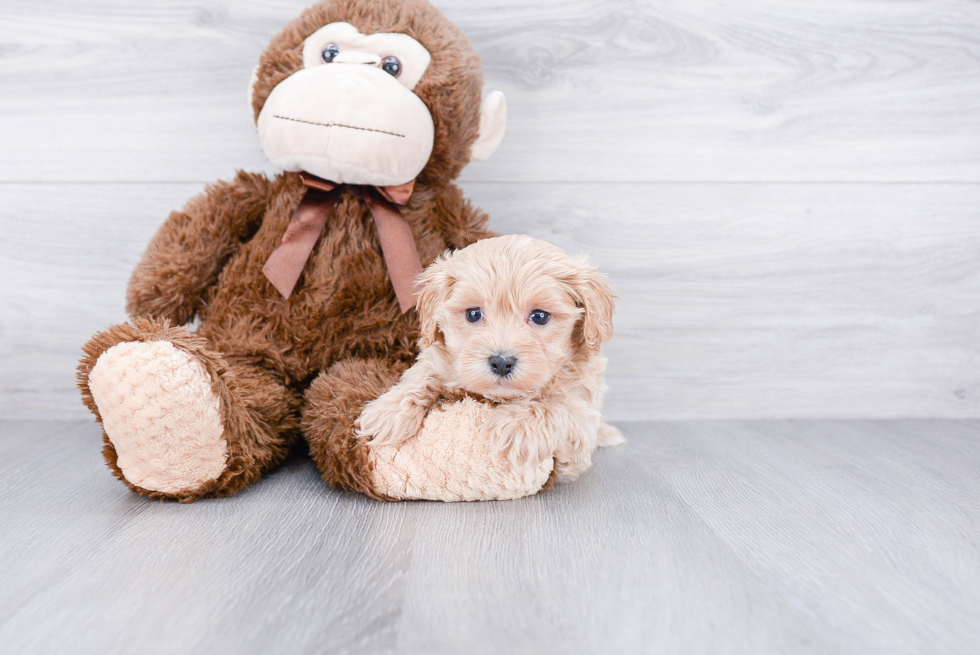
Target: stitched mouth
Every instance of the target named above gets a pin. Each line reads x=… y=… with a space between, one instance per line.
x=349 y=127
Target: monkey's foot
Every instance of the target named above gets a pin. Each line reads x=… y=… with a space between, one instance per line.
x=162 y=416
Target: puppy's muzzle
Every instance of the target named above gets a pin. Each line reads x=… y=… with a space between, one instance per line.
x=502 y=365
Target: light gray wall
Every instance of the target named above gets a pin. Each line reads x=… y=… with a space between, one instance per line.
x=785 y=194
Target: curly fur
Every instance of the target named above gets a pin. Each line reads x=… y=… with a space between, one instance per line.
x=549 y=404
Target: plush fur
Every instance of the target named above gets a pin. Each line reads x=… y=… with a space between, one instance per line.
x=340 y=339
x=548 y=405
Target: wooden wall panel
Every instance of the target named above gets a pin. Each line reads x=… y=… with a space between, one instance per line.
x=616 y=90
x=784 y=193
x=735 y=300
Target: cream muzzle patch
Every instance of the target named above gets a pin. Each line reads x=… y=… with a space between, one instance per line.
x=347 y=117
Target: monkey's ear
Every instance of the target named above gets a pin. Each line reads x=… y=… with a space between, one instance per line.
x=434 y=285
x=493 y=123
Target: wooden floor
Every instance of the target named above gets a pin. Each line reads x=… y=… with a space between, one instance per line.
x=696 y=537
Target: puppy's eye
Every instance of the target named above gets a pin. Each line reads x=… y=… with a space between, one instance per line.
x=392 y=66
x=474 y=314
x=329 y=52
x=540 y=317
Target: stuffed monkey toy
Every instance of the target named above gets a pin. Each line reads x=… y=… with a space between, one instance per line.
x=302 y=283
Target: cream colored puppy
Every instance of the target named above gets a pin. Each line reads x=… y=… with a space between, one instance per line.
x=518 y=322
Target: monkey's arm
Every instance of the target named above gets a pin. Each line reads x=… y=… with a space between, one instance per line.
x=190 y=248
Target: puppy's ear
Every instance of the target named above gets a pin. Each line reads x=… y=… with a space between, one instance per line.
x=597 y=300
x=433 y=287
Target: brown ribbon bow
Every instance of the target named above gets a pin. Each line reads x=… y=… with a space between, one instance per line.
x=286 y=263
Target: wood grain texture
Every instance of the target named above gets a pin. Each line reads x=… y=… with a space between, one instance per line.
x=720 y=537
x=776 y=301
x=775 y=298
x=751 y=301
x=617 y=90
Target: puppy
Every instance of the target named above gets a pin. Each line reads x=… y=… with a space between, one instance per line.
x=516 y=321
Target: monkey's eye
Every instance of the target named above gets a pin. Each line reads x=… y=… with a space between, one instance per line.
x=329 y=52
x=392 y=66
x=540 y=317
x=474 y=314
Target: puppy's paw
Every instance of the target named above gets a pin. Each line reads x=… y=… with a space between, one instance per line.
x=389 y=420
x=609 y=436
x=570 y=470
x=513 y=431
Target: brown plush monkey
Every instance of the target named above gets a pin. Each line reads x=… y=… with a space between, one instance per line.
x=301 y=282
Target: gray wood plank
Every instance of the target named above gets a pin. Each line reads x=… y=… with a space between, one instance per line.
x=891 y=499
x=722 y=537
x=766 y=90
x=776 y=301
x=56 y=468
x=746 y=301
x=97 y=550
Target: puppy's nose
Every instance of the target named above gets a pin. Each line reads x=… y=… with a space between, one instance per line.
x=502 y=365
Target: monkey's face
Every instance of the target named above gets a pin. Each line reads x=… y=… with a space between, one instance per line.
x=375 y=92
x=350 y=114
